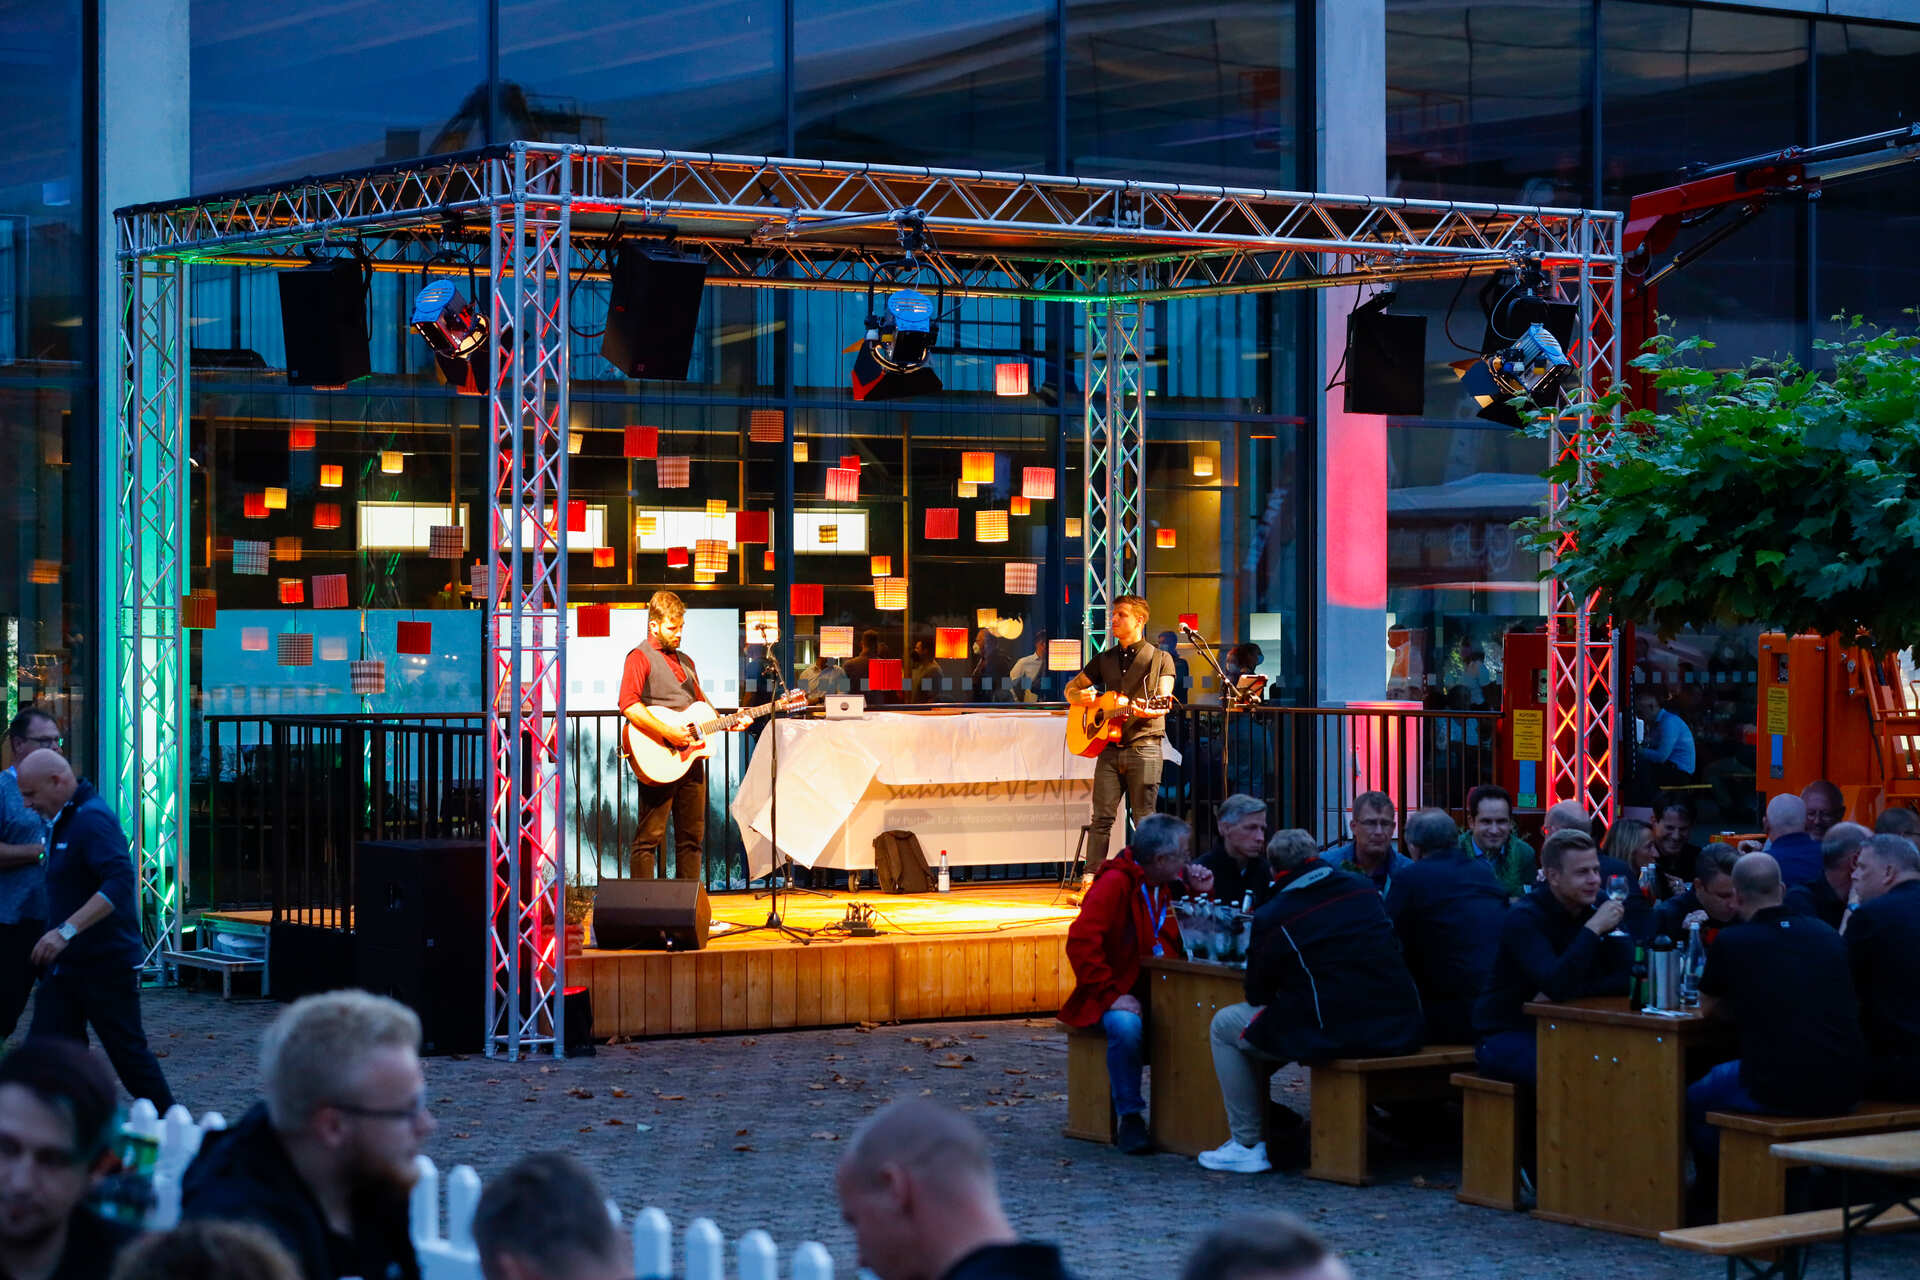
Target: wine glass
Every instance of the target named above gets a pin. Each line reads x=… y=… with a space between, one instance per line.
x=1617 y=891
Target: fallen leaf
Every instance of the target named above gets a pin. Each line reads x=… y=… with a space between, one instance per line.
x=615 y=1120
x=618 y=1093
x=1015 y=1071
x=868 y=1027
x=463 y=1135
x=741 y=1146
x=749 y=1042
x=671 y=1097
x=741 y=1133
x=816 y=1085
x=577 y=1092
x=827 y=1137
x=441 y=1102
x=586 y=1129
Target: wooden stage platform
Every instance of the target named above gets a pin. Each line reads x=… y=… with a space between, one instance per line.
x=980 y=950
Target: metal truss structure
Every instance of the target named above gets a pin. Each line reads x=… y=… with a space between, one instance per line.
x=547 y=215
x=150 y=567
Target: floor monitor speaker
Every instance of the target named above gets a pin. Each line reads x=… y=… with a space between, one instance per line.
x=651 y=915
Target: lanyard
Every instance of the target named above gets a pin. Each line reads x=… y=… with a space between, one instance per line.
x=1158 y=918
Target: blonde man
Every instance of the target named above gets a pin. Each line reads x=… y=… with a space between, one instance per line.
x=326 y=1162
x=1130 y=768
x=658 y=674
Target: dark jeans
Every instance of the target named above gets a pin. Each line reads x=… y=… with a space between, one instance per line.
x=1718 y=1090
x=109 y=1001
x=17 y=973
x=1510 y=1055
x=1129 y=771
x=685 y=801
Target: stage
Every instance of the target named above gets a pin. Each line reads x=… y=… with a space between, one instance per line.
x=978 y=951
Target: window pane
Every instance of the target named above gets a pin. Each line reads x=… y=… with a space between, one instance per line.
x=954 y=85
x=280 y=91
x=703 y=76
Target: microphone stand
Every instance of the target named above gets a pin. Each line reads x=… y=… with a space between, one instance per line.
x=1231 y=698
x=774 y=924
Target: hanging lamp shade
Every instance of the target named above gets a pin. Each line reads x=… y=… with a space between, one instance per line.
x=828 y=535
x=985 y=616
x=850 y=462
x=1202 y=465
x=293 y=591
x=293 y=649
x=413 y=637
x=843 y=485
x=477 y=579
x=767 y=426
x=943 y=524
x=807 y=600
x=300 y=437
x=950 y=642
x=391 y=462
x=641 y=442
x=1166 y=537
x=593 y=621
x=1023 y=578
x=326 y=515
x=1063 y=655
x=752 y=526
x=603 y=557
x=763 y=626
x=716 y=506
x=1012 y=379
x=766 y=561
x=574 y=440
x=977 y=468
x=800 y=451
x=836 y=642
x=329 y=590
x=890 y=593
x=883 y=675
x=254 y=506
x=677 y=558
x=647 y=526
x=989 y=526
x=1073 y=526
x=576 y=516
x=275 y=498
x=710 y=556
x=674 y=471
x=703 y=577
x=1036 y=482
x=249 y=557
x=881 y=566
x=332 y=475
x=253 y=639
x=967 y=489
x=199 y=611
x=1019 y=505
x=446 y=542
x=287 y=550
x=1191 y=621
x=368 y=676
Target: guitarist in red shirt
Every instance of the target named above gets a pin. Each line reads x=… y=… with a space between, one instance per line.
x=1129 y=768
x=657 y=674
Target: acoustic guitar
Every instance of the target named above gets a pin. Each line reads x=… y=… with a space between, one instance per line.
x=1098 y=724
x=655 y=762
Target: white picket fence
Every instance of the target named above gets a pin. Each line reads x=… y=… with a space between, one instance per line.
x=443 y=1235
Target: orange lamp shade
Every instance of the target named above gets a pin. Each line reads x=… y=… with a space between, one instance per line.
x=710 y=556
x=592 y=620
x=326 y=515
x=1019 y=505
x=977 y=467
x=890 y=593
x=950 y=642
x=677 y=558
x=293 y=591
x=989 y=526
x=985 y=617
x=800 y=453
x=1166 y=536
x=276 y=498
x=882 y=566
x=766 y=426
x=413 y=637
x=1202 y=465
x=300 y=436
x=807 y=600
x=603 y=557
x=702 y=576
x=943 y=524
x=254 y=506
x=1036 y=482
x=1012 y=379
x=332 y=476
x=575 y=439
x=287 y=549
x=836 y=642
x=843 y=485
x=1073 y=526
x=766 y=561
x=391 y=462
x=641 y=442
x=828 y=535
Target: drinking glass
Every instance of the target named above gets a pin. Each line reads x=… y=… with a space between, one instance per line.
x=1617 y=891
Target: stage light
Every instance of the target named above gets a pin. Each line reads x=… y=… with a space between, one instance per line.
x=455 y=332
x=653 y=311
x=1386 y=360
x=892 y=359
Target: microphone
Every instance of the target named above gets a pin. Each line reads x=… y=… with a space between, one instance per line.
x=1190 y=633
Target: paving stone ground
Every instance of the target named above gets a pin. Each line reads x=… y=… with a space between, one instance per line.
x=747 y=1129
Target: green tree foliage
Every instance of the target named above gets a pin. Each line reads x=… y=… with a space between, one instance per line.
x=1769 y=494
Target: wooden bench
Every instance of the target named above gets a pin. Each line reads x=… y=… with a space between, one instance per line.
x=1089 y=1093
x=1753 y=1182
x=1489 y=1142
x=1344 y=1090
x=1785 y=1235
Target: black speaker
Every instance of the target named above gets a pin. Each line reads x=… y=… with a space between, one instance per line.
x=419 y=934
x=1386 y=363
x=651 y=915
x=652 y=311
x=323 y=319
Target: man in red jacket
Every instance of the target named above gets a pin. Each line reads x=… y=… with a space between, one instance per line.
x=1126 y=916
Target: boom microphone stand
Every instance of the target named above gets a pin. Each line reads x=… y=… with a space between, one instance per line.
x=770 y=666
x=1232 y=698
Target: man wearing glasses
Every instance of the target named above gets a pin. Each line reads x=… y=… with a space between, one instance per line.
x=23 y=880
x=326 y=1162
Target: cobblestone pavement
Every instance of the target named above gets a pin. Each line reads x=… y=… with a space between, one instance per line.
x=747 y=1130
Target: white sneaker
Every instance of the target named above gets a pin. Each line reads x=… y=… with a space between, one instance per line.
x=1231 y=1157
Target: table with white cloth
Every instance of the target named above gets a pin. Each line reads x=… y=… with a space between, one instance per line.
x=986 y=787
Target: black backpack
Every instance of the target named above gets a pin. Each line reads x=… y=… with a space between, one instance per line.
x=900 y=864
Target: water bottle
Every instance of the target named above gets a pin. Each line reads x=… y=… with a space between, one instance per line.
x=946 y=881
x=1691 y=969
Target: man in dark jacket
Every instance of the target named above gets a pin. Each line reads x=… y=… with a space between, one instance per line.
x=1883 y=937
x=1783 y=980
x=1447 y=909
x=1325 y=979
x=90 y=959
x=918 y=1189
x=1709 y=899
x=1826 y=898
x=326 y=1163
x=1239 y=864
x=56 y=1123
x=1553 y=943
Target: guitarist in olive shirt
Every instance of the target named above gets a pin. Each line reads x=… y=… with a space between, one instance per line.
x=1129 y=768
x=658 y=674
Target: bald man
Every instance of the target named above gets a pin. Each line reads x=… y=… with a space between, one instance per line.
x=1566 y=815
x=917 y=1187
x=1825 y=805
x=90 y=961
x=1784 y=980
x=1787 y=840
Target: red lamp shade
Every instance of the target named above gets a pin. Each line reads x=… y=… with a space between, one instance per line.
x=1190 y=620
x=883 y=675
x=642 y=442
x=326 y=515
x=1013 y=379
x=1019 y=505
x=766 y=562
x=576 y=516
x=1166 y=536
x=329 y=590
x=950 y=642
x=843 y=485
x=199 y=611
x=254 y=506
x=603 y=557
x=677 y=558
x=850 y=462
x=591 y=620
x=413 y=637
x=300 y=436
x=1036 y=482
x=943 y=524
x=808 y=600
x=752 y=526
x=293 y=591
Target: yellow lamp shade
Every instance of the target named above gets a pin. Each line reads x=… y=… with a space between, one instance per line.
x=1073 y=526
x=763 y=626
x=1019 y=505
x=989 y=526
x=276 y=499
x=977 y=467
x=889 y=593
x=709 y=556
x=1202 y=465
x=836 y=642
x=968 y=489
x=800 y=451
x=331 y=476
x=985 y=617
x=716 y=506
x=391 y=462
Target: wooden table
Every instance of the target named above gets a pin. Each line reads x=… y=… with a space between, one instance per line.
x=1185 y=1114
x=1887 y=1154
x=1612 y=1114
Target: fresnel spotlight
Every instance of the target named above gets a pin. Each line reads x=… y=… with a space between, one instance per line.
x=456 y=331
x=892 y=358
x=1524 y=351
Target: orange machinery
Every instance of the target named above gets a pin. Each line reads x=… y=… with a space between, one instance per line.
x=1829 y=710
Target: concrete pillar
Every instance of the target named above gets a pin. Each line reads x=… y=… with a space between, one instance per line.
x=144 y=153
x=1350 y=534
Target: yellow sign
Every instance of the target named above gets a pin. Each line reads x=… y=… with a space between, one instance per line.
x=1777 y=710
x=1529 y=735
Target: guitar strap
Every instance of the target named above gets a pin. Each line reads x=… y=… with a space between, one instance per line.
x=1130 y=686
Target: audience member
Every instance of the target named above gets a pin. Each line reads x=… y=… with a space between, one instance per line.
x=90 y=961
x=1125 y=916
x=1565 y=815
x=1490 y=837
x=1883 y=937
x=1168 y=643
x=1263 y=1246
x=1665 y=753
x=1238 y=866
x=1826 y=898
x=1825 y=805
x=56 y=1122
x=923 y=673
x=207 y=1251
x=1447 y=909
x=1898 y=822
x=858 y=666
x=1371 y=852
x=918 y=1189
x=23 y=878
x=1029 y=678
x=1630 y=852
x=1324 y=931
x=1672 y=833
x=1708 y=902
x=326 y=1162
x=545 y=1218
x=1784 y=982
x=1787 y=840
x=991 y=667
x=1552 y=945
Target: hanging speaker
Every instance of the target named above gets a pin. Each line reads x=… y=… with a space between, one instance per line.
x=1386 y=363
x=653 y=310
x=323 y=320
